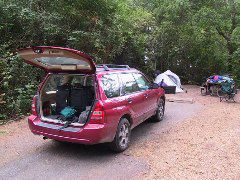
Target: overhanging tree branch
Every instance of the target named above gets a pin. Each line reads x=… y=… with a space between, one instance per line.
x=221 y=33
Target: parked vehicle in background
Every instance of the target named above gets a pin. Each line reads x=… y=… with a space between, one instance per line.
x=83 y=103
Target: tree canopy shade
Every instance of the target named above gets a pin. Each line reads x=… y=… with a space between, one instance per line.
x=194 y=38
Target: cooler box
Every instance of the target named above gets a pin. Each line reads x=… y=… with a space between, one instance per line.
x=170 y=89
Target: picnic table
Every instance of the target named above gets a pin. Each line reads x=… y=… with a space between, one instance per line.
x=221 y=86
x=210 y=88
x=212 y=85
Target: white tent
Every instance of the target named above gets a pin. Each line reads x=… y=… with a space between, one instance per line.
x=168 y=78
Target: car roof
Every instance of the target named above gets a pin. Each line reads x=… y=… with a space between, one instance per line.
x=107 y=68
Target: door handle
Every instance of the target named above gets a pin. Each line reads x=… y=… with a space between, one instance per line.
x=129 y=100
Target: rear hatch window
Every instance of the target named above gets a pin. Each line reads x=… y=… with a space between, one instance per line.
x=59 y=59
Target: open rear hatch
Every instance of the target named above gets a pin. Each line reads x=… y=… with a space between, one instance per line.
x=58 y=59
x=66 y=87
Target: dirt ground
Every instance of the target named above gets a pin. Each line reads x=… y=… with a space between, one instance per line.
x=205 y=146
x=195 y=141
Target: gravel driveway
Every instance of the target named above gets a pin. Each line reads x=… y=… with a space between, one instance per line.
x=195 y=141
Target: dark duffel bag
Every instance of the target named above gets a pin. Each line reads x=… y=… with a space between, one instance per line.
x=170 y=89
x=80 y=98
x=62 y=97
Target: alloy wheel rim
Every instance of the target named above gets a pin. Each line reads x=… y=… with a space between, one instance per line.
x=124 y=135
x=160 y=110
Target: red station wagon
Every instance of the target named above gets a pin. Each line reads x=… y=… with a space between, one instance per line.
x=81 y=102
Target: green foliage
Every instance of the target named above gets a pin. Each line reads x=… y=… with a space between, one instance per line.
x=194 y=38
x=19 y=84
x=197 y=38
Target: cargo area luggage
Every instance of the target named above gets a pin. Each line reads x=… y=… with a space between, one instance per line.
x=62 y=97
x=67 y=98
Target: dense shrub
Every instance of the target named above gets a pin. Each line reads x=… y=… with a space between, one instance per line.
x=19 y=84
x=195 y=39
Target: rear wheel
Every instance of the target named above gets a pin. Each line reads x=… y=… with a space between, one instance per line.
x=122 y=137
x=160 y=111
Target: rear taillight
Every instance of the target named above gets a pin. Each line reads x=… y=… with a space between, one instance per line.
x=98 y=115
x=34 y=105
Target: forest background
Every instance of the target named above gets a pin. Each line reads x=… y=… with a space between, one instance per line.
x=193 y=38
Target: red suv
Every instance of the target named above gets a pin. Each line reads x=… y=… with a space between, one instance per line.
x=85 y=103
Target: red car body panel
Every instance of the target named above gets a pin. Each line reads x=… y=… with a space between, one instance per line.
x=88 y=134
x=137 y=107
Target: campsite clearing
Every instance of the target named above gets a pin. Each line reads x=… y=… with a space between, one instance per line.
x=195 y=141
x=203 y=146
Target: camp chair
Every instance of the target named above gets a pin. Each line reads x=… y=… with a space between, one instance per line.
x=227 y=91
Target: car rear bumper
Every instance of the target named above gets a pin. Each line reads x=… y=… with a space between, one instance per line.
x=88 y=134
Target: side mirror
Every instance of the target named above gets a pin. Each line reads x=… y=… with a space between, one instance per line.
x=154 y=86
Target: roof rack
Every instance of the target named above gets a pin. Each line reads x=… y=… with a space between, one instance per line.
x=107 y=67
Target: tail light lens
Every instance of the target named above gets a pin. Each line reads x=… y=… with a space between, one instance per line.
x=98 y=115
x=34 y=105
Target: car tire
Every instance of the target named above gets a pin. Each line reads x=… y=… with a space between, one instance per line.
x=160 y=111
x=122 y=137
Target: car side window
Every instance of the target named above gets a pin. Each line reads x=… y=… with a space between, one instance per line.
x=142 y=82
x=111 y=85
x=129 y=83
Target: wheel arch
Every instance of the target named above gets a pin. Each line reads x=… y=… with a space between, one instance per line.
x=128 y=117
x=163 y=98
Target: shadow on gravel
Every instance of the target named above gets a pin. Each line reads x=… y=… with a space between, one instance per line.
x=72 y=150
x=75 y=151
x=142 y=131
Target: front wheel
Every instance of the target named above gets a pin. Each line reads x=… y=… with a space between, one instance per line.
x=122 y=137
x=160 y=111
